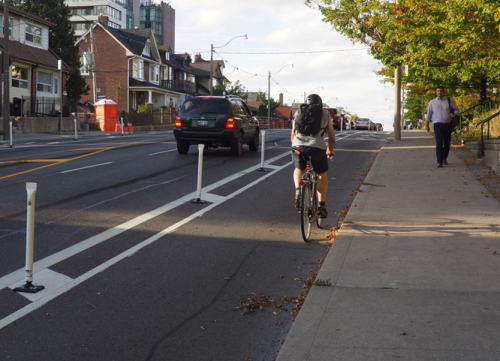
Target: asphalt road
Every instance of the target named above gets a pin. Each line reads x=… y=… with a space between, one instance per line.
x=134 y=270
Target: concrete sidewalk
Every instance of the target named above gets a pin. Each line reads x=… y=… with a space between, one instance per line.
x=415 y=276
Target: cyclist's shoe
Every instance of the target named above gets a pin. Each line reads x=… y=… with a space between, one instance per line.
x=322 y=213
x=297 y=199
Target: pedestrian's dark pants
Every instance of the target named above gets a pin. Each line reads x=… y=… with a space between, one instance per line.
x=443 y=140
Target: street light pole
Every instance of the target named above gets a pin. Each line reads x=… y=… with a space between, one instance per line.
x=210 y=86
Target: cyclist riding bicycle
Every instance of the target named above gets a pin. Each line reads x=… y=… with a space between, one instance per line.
x=313 y=145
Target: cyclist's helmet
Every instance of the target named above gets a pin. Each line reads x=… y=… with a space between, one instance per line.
x=314 y=99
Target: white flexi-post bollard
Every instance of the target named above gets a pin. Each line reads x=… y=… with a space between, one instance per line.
x=10 y=133
x=76 y=134
x=122 y=125
x=200 y=174
x=262 y=151
x=30 y=242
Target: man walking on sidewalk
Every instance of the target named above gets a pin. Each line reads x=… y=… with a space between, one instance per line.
x=440 y=112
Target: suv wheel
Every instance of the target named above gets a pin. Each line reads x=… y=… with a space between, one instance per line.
x=237 y=146
x=254 y=143
x=182 y=147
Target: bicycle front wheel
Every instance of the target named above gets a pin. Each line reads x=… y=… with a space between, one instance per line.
x=306 y=211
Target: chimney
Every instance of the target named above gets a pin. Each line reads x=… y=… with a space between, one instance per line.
x=281 y=98
x=103 y=19
x=196 y=57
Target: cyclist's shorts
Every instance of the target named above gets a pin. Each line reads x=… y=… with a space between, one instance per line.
x=319 y=160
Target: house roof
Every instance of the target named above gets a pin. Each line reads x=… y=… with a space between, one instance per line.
x=30 y=54
x=22 y=13
x=284 y=111
x=133 y=39
x=205 y=68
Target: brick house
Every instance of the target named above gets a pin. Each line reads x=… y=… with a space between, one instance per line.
x=126 y=66
x=35 y=79
x=203 y=66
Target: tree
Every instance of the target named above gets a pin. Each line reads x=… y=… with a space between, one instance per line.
x=262 y=98
x=61 y=39
x=231 y=89
x=448 y=42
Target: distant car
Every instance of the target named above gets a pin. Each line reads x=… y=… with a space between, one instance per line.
x=352 y=126
x=379 y=127
x=335 y=117
x=364 y=123
x=216 y=121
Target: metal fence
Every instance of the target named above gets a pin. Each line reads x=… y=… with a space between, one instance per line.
x=38 y=107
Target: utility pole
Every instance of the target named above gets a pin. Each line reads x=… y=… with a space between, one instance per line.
x=397 y=104
x=210 y=85
x=6 y=72
x=397 y=101
x=268 y=100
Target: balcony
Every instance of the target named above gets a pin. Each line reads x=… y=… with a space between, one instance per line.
x=179 y=85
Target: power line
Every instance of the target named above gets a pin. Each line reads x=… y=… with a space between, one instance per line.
x=284 y=52
x=295 y=52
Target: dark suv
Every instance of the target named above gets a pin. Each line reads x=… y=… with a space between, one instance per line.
x=216 y=121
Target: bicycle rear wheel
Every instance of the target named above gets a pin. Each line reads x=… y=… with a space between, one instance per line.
x=306 y=211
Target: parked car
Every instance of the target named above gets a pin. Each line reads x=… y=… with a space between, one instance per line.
x=352 y=126
x=216 y=121
x=364 y=123
x=379 y=127
x=335 y=116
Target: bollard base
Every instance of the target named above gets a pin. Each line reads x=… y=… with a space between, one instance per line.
x=262 y=170
x=29 y=288
x=198 y=201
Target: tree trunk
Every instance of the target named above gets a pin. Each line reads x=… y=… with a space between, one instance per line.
x=483 y=89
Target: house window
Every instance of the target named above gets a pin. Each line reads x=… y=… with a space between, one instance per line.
x=167 y=55
x=138 y=71
x=147 y=49
x=56 y=85
x=33 y=34
x=44 y=82
x=154 y=74
x=10 y=25
x=19 y=77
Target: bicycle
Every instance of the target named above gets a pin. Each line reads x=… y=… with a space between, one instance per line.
x=308 y=199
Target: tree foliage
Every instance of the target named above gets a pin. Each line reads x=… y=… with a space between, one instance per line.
x=262 y=98
x=448 y=42
x=229 y=88
x=61 y=39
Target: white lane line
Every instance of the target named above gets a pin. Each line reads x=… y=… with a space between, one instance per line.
x=90 y=166
x=165 y=151
x=54 y=143
x=218 y=200
x=47 y=278
x=49 y=261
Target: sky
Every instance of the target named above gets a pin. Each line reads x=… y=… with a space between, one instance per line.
x=281 y=33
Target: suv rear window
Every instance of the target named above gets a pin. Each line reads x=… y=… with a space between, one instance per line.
x=204 y=105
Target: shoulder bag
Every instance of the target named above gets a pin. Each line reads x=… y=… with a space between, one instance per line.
x=455 y=121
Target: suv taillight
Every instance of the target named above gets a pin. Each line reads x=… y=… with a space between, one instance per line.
x=178 y=123
x=230 y=123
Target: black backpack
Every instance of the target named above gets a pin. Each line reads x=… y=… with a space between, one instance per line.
x=308 y=119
